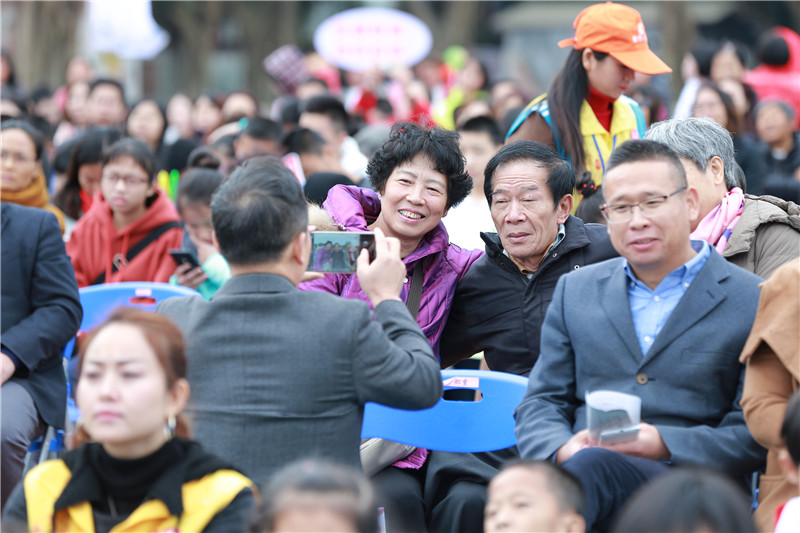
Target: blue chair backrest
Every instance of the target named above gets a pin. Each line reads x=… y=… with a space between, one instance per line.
x=455 y=426
x=99 y=300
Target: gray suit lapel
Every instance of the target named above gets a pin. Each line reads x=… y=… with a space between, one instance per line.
x=614 y=299
x=702 y=296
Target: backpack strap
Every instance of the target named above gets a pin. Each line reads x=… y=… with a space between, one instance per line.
x=157 y=232
x=540 y=105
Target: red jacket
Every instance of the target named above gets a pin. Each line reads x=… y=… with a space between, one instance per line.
x=95 y=242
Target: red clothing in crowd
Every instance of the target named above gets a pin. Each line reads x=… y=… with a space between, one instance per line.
x=95 y=242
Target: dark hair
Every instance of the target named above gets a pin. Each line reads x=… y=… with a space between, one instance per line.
x=107 y=81
x=638 y=150
x=589 y=208
x=88 y=150
x=197 y=186
x=790 y=429
x=166 y=341
x=258 y=211
x=314 y=81
x=224 y=144
x=63 y=154
x=177 y=154
x=30 y=130
x=290 y=111
x=483 y=125
x=133 y=148
x=687 y=500
x=733 y=124
x=780 y=104
x=319 y=478
x=560 y=175
x=565 y=96
x=563 y=484
x=203 y=157
x=304 y=141
x=703 y=52
x=41 y=92
x=331 y=107
x=263 y=129
x=772 y=50
x=440 y=146
x=161 y=111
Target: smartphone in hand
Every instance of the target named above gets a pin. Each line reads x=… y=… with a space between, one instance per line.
x=337 y=251
x=181 y=257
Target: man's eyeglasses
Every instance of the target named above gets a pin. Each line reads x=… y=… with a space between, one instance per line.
x=128 y=180
x=623 y=212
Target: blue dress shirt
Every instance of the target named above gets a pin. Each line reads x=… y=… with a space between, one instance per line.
x=651 y=308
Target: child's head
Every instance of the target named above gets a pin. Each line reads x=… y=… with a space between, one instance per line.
x=196 y=187
x=528 y=496
x=128 y=174
x=313 y=495
x=790 y=433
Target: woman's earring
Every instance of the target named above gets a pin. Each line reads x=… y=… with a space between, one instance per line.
x=169 y=429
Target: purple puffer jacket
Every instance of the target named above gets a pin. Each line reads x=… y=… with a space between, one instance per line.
x=444 y=264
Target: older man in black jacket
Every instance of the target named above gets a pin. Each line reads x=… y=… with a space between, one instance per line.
x=41 y=311
x=501 y=302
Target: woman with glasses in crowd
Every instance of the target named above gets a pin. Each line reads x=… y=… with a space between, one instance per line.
x=127 y=233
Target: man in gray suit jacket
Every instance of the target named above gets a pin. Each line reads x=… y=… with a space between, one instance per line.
x=278 y=374
x=664 y=322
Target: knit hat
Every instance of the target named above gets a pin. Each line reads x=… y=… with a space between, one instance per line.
x=618 y=31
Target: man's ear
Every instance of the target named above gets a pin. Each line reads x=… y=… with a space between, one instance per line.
x=717 y=170
x=564 y=208
x=301 y=248
x=692 y=202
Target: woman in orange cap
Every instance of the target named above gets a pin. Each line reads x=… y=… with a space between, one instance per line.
x=585 y=114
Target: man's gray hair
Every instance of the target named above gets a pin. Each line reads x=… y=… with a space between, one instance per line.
x=698 y=140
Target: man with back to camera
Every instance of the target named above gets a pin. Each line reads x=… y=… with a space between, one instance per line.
x=499 y=305
x=757 y=233
x=664 y=322
x=278 y=374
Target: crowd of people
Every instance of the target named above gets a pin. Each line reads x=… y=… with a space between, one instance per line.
x=591 y=238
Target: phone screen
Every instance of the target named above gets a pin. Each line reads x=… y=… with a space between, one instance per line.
x=337 y=251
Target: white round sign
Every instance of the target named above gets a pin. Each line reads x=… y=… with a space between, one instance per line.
x=367 y=37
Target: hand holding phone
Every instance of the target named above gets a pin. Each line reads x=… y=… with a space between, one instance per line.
x=382 y=279
x=181 y=257
x=337 y=251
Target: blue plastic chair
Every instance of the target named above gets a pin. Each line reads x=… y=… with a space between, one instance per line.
x=455 y=426
x=99 y=300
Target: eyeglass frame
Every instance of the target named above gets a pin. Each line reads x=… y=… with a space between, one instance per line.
x=129 y=181
x=604 y=209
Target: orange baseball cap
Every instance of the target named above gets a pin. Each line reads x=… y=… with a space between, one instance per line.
x=618 y=31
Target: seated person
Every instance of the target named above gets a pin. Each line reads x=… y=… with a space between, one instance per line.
x=261 y=136
x=757 y=233
x=313 y=495
x=326 y=115
x=131 y=227
x=687 y=501
x=788 y=515
x=195 y=190
x=534 y=496
x=499 y=305
x=22 y=158
x=136 y=469
x=772 y=354
x=480 y=140
x=273 y=364
x=665 y=322
x=41 y=311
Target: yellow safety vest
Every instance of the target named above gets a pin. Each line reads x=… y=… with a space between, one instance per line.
x=203 y=499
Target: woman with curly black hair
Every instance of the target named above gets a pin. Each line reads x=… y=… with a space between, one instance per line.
x=418 y=174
